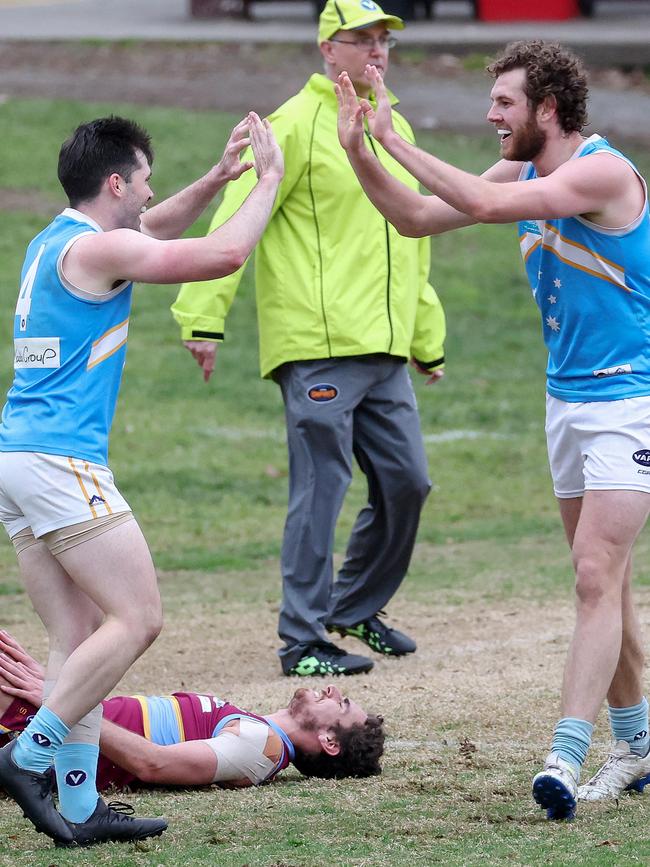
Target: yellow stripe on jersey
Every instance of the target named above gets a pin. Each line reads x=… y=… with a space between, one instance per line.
x=146 y=722
x=578 y=256
x=108 y=344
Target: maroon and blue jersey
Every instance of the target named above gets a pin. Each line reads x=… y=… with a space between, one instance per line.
x=164 y=720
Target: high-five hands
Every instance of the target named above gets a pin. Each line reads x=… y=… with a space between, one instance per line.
x=352 y=110
x=266 y=152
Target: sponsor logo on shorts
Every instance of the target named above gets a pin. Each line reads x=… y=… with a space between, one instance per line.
x=642 y=457
x=322 y=392
x=37 y=352
x=95 y=500
x=41 y=740
x=75 y=778
x=613 y=371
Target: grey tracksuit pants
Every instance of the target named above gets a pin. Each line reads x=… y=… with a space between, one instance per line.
x=363 y=405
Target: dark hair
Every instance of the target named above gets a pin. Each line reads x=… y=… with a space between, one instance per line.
x=361 y=745
x=97 y=149
x=551 y=70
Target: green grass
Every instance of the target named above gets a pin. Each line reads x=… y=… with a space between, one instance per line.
x=204 y=468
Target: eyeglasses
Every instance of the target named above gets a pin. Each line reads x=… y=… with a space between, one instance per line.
x=367 y=43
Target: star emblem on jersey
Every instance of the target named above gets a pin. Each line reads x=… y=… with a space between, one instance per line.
x=557 y=283
x=552 y=323
x=552 y=299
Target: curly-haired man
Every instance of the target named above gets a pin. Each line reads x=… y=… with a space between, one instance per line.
x=584 y=230
x=194 y=739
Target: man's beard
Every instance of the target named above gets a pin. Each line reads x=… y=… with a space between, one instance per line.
x=298 y=708
x=528 y=142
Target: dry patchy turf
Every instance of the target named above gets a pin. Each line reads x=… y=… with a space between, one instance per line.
x=468 y=717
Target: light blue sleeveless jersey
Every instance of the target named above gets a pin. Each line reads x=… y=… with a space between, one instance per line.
x=69 y=351
x=592 y=286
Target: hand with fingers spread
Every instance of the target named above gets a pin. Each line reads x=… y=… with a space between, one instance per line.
x=268 y=156
x=350 y=119
x=380 y=119
x=230 y=165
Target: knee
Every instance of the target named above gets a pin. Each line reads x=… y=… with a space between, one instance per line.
x=144 y=625
x=414 y=486
x=594 y=582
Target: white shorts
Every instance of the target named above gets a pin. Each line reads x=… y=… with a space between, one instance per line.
x=599 y=445
x=47 y=492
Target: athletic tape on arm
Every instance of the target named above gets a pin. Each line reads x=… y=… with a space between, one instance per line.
x=242 y=755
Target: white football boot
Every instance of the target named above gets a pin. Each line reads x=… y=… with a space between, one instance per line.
x=555 y=788
x=622 y=771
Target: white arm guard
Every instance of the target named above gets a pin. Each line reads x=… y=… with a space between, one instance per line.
x=242 y=755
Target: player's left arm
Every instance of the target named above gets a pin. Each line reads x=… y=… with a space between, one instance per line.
x=174 y=215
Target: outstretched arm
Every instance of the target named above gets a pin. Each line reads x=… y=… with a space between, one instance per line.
x=97 y=260
x=191 y=763
x=412 y=214
x=174 y=215
x=600 y=186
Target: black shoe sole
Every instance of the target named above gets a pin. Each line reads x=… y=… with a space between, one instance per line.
x=134 y=839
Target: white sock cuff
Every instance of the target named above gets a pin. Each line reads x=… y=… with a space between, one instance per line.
x=86 y=731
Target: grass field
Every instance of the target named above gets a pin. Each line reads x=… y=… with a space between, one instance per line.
x=489 y=596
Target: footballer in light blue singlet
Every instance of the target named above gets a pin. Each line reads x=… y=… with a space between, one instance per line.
x=69 y=352
x=592 y=285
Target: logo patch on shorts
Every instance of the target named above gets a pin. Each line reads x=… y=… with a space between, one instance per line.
x=75 y=778
x=322 y=392
x=96 y=500
x=642 y=457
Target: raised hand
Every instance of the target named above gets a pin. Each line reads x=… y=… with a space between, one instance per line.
x=350 y=119
x=380 y=119
x=268 y=156
x=230 y=165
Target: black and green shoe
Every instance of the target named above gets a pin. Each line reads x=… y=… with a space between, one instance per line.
x=378 y=636
x=326 y=660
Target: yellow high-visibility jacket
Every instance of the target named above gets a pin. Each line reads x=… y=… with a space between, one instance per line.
x=333 y=277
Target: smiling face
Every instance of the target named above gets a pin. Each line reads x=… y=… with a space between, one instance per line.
x=319 y=710
x=135 y=193
x=347 y=51
x=521 y=137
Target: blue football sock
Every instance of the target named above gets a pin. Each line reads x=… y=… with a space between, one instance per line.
x=571 y=740
x=631 y=724
x=37 y=744
x=76 y=774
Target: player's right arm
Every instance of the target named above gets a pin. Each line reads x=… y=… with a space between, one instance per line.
x=190 y=763
x=99 y=259
x=412 y=213
x=201 y=308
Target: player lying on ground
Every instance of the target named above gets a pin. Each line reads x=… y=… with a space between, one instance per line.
x=195 y=739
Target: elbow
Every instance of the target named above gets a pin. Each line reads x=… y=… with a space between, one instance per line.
x=484 y=211
x=147 y=769
x=232 y=260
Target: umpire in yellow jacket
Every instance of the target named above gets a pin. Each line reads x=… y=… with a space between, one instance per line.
x=343 y=303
